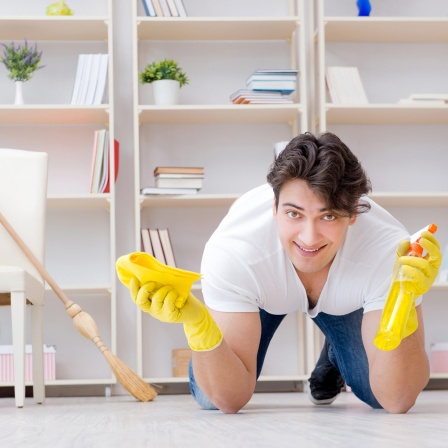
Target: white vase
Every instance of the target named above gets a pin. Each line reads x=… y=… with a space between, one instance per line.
x=19 y=94
x=166 y=92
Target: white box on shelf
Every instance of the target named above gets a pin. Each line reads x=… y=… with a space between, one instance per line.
x=439 y=357
x=7 y=363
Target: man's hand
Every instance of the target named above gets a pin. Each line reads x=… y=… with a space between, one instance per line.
x=163 y=303
x=421 y=271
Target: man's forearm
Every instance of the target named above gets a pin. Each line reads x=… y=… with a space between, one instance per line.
x=224 y=378
x=398 y=376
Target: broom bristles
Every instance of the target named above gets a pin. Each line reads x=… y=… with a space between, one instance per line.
x=129 y=379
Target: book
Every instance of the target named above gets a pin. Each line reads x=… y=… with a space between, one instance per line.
x=181 y=8
x=429 y=96
x=106 y=188
x=179 y=176
x=178 y=170
x=149 y=8
x=422 y=102
x=92 y=79
x=157 y=8
x=172 y=7
x=168 y=252
x=87 y=67
x=248 y=96
x=92 y=166
x=155 y=190
x=275 y=86
x=156 y=245
x=181 y=182
x=98 y=160
x=79 y=74
x=345 y=85
x=146 y=242
x=277 y=71
x=105 y=165
x=102 y=79
x=100 y=169
x=165 y=8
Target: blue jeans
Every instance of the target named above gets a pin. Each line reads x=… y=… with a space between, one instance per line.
x=346 y=353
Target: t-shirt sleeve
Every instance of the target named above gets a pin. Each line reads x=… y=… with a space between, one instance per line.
x=228 y=284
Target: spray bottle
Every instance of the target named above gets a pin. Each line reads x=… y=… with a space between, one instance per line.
x=400 y=301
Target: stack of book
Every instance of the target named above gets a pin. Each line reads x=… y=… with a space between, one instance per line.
x=345 y=86
x=164 y=8
x=283 y=81
x=100 y=171
x=157 y=242
x=176 y=180
x=267 y=86
x=90 y=81
x=248 y=96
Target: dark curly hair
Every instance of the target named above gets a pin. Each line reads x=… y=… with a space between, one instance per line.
x=331 y=170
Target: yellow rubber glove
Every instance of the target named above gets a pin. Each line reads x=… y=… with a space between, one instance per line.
x=421 y=271
x=164 y=293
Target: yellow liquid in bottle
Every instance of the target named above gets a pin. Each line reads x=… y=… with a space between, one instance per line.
x=395 y=315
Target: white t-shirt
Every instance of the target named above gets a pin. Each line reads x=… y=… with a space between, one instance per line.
x=245 y=267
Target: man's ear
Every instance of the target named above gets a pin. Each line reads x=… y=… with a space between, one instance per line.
x=352 y=220
x=274 y=209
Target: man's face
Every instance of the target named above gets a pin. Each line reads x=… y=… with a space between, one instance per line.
x=309 y=232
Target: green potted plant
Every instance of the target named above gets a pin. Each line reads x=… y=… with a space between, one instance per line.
x=21 y=61
x=167 y=78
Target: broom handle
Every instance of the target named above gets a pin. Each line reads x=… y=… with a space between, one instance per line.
x=36 y=263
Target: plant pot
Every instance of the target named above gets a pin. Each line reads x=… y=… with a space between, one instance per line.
x=166 y=92
x=18 y=100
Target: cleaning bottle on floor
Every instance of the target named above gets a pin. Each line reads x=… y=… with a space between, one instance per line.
x=399 y=305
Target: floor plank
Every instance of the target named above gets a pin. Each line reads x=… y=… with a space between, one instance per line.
x=269 y=420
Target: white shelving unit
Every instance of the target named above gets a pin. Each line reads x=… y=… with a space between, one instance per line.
x=218 y=54
x=399 y=131
x=80 y=240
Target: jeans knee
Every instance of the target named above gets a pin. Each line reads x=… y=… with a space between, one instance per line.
x=201 y=399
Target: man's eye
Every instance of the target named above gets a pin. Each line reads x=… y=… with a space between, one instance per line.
x=330 y=217
x=292 y=214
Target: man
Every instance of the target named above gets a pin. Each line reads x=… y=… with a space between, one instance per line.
x=310 y=241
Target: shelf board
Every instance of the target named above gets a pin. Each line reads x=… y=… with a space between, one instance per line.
x=53 y=114
x=78 y=201
x=62 y=382
x=216 y=28
x=386 y=29
x=71 y=28
x=406 y=199
x=440 y=286
x=199 y=200
x=229 y=113
x=387 y=114
x=438 y=376
x=385 y=199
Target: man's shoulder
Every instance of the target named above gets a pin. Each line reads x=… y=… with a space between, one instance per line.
x=374 y=236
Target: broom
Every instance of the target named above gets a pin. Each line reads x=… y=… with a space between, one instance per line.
x=85 y=324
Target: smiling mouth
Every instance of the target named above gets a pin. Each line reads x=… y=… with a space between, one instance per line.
x=309 y=251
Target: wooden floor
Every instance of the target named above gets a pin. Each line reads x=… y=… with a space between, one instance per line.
x=269 y=420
